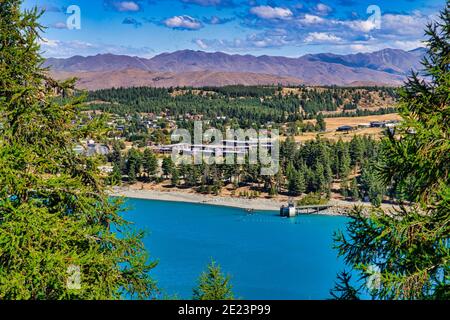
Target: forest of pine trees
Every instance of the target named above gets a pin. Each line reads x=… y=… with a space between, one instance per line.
x=308 y=168
x=247 y=105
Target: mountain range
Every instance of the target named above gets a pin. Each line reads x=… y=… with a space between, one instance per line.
x=198 y=68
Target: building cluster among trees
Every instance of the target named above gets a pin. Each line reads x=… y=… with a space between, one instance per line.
x=315 y=167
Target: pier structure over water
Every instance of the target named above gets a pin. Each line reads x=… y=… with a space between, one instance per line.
x=291 y=210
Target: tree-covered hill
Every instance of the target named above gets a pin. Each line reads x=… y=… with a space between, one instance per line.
x=247 y=104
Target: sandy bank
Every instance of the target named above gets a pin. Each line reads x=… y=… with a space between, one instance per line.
x=259 y=204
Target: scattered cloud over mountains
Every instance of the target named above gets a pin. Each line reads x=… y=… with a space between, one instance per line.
x=183 y=22
x=249 y=26
x=268 y=12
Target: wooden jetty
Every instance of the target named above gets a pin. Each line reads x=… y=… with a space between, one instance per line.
x=291 y=210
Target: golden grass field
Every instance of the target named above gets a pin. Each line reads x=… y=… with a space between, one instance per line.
x=334 y=123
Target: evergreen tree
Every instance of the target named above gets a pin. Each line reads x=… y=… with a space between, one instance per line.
x=213 y=285
x=344 y=188
x=167 y=166
x=56 y=216
x=356 y=150
x=192 y=176
x=343 y=289
x=410 y=247
x=287 y=151
x=132 y=174
x=273 y=190
x=296 y=183
x=115 y=177
x=115 y=156
x=320 y=123
x=353 y=190
x=343 y=160
x=320 y=181
x=290 y=171
x=371 y=185
x=134 y=163
x=150 y=163
x=182 y=170
x=175 y=178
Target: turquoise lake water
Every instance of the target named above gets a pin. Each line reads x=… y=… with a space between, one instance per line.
x=268 y=257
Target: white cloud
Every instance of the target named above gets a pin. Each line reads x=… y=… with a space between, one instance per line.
x=322 y=37
x=64 y=49
x=183 y=22
x=214 y=20
x=392 y=25
x=268 y=12
x=311 y=19
x=323 y=9
x=59 y=25
x=48 y=43
x=361 y=25
x=405 y=24
x=377 y=44
x=201 y=44
x=400 y=31
x=126 y=6
x=266 y=40
x=362 y=48
x=251 y=41
x=408 y=45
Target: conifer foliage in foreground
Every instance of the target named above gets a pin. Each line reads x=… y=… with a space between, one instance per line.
x=213 y=285
x=405 y=254
x=56 y=220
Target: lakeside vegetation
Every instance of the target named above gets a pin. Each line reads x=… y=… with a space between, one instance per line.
x=311 y=168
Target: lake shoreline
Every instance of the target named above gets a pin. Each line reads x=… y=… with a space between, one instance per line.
x=340 y=208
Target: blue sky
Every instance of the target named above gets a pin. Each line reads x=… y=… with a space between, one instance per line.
x=273 y=27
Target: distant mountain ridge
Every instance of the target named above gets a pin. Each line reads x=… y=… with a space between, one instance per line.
x=384 y=67
x=140 y=78
x=392 y=61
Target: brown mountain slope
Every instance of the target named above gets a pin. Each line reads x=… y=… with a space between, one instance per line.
x=136 y=78
x=388 y=66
